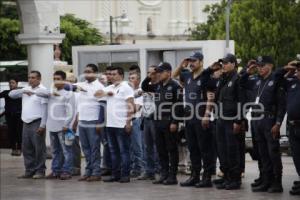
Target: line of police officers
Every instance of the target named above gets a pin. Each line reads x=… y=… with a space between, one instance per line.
x=224 y=93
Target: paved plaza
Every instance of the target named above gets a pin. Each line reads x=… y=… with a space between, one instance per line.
x=21 y=189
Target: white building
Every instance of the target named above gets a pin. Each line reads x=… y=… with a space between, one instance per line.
x=145 y=21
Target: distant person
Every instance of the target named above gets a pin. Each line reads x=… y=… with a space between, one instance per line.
x=13 y=109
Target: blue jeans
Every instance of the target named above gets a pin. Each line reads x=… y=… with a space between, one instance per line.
x=106 y=152
x=90 y=145
x=151 y=156
x=119 y=144
x=62 y=161
x=137 y=147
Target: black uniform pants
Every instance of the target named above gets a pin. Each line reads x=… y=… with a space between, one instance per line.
x=167 y=147
x=228 y=150
x=294 y=138
x=14 y=125
x=255 y=153
x=200 y=145
x=269 y=148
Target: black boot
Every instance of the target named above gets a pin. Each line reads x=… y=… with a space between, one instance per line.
x=234 y=183
x=161 y=179
x=264 y=186
x=193 y=180
x=276 y=186
x=223 y=183
x=295 y=191
x=257 y=181
x=171 y=180
x=205 y=182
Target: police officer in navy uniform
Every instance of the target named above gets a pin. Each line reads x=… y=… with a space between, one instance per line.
x=250 y=96
x=167 y=94
x=270 y=99
x=291 y=77
x=198 y=130
x=229 y=99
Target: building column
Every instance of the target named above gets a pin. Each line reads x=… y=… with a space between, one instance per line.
x=40 y=54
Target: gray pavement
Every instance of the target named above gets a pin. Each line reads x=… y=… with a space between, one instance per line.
x=16 y=189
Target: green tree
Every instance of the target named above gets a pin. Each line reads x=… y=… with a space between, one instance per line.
x=78 y=32
x=258 y=27
x=10 y=49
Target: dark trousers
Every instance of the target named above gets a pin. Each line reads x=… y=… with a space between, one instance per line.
x=255 y=148
x=228 y=150
x=242 y=150
x=14 y=125
x=269 y=148
x=200 y=145
x=294 y=139
x=34 y=148
x=151 y=157
x=167 y=147
x=119 y=145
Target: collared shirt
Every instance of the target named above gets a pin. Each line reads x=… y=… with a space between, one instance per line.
x=268 y=92
x=61 y=110
x=166 y=97
x=195 y=90
x=117 y=108
x=33 y=106
x=88 y=105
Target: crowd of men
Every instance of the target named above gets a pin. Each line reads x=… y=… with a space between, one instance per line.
x=137 y=122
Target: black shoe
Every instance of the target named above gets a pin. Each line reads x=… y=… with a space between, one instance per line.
x=235 y=185
x=105 y=172
x=296 y=183
x=204 y=184
x=171 y=180
x=192 y=181
x=124 y=179
x=221 y=186
x=295 y=191
x=218 y=181
x=257 y=182
x=262 y=188
x=295 y=187
x=276 y=186
x=111 y=179
x=161 y=180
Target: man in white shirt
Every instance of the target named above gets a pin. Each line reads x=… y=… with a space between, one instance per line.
x=34 y=116
x=137 y=142
x=90 y=119
x=61 y=107
x=120 y=108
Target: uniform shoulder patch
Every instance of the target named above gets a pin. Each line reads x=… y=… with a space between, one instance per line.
x=294 y=86
x=229 y=84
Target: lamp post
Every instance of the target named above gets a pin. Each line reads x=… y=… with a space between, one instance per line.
x=228 y=24
x=123 y=17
